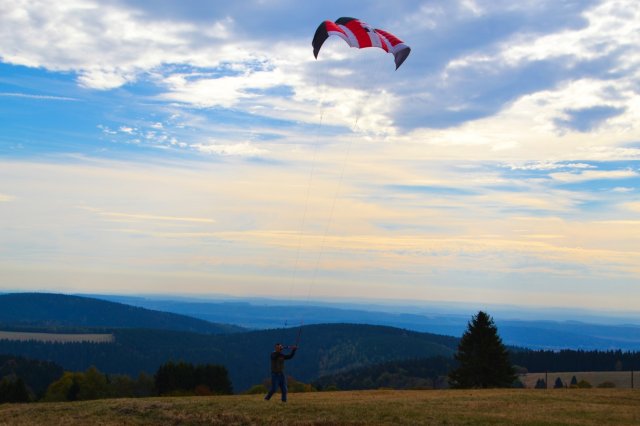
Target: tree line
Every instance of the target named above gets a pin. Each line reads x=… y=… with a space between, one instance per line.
x=172 y=378
x=481 y=361
x=576 y=360
x=327 y=349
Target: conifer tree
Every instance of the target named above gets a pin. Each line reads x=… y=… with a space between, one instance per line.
x=482 y=357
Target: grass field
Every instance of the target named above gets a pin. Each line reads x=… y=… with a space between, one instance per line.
x=451 y=407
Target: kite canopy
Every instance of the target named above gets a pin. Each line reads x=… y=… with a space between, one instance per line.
x=358 y=34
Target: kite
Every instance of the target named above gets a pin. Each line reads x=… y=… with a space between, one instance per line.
x=358 y=34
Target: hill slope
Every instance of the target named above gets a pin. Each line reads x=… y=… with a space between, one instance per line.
x=324 y=349
x=58 y=310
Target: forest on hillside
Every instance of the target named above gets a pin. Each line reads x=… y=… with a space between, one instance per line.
x=344 y=351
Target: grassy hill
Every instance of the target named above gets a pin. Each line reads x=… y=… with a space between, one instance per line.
x=58 y=311
x=498 y=407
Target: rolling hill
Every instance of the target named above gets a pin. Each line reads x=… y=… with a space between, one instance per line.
x=58 y=311
x=324 y=349
x=145 y=339
x=537 y=332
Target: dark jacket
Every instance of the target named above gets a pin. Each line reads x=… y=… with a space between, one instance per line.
x=277 y=361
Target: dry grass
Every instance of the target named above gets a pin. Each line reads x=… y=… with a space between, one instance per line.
x=451 y=407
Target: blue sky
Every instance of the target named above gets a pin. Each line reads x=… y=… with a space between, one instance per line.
x=198 y=148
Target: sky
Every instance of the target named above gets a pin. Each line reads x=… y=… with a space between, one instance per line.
x=199 y=148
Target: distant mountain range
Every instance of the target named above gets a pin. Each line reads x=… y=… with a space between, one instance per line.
x=147 y=338
x=540 y=333
x=141 y=345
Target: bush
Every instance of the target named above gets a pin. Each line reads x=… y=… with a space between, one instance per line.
x=517 y=384
x=583 y=384
x=607 y=385
x=256 y=389
x=294 y=386
x=92 y=384
x=186 y=379
x=13 y=390
x=63 y=389
x=202 y=390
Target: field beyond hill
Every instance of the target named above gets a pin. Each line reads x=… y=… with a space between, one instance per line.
x=381 y=407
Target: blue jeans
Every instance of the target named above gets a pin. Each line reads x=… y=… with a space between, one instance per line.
x=278 y=380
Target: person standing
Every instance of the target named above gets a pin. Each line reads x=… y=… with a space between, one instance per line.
x=278 y=379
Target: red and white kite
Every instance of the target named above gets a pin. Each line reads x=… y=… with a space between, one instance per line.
x=358 y=34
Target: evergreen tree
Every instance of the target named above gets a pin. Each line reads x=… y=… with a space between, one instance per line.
x=541 y=384
x=482 y=357
x=13 y=390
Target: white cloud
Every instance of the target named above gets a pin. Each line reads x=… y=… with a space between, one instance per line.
x=589 y=175
x=106 y=44
x=145 y=217
x=623 y=189
x=37 y=97
x=208 y=92
x=6 y=198
x=105 y=79
x=472 y=6
x=549 y=165
x=597 y=67
x=244 y=149
x=612 y=25
x=127 y=130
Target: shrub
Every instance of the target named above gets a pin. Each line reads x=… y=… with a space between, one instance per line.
x=63 y=389
x=607 y=385
x=294 y=386
x=92 y=384
x=185 y=379
x=256 y=389
x=13 y=390
x=202 y=390
x=583 y=384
